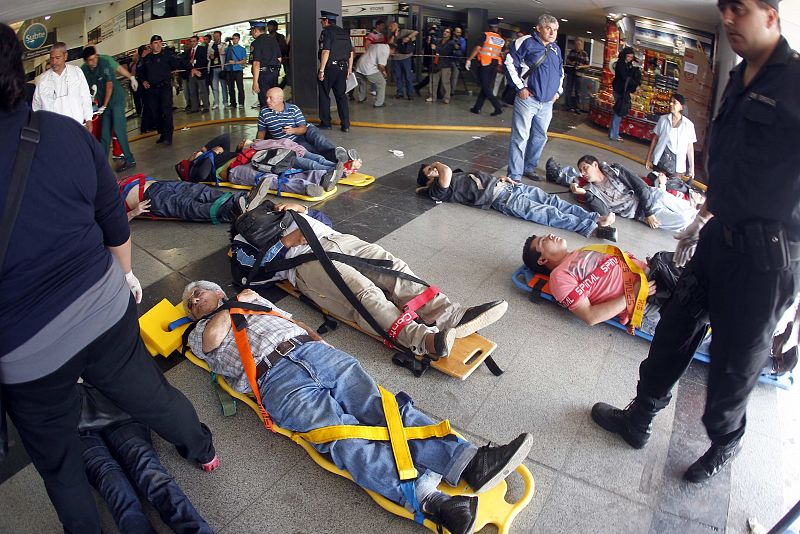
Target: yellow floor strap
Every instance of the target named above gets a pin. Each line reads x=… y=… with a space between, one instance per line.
x=635 y=303
x=373 y=433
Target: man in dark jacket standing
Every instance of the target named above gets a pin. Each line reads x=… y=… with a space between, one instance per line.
x=155 y=71
x=198 y=89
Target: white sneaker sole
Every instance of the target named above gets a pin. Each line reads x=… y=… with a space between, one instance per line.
x=492 y=315
x=510 y=466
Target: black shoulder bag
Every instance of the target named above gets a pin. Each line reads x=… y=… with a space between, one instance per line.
x=28 y=141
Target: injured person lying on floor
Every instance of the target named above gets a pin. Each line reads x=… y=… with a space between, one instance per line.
x=380 y=282
x=509 y=197
x=187 y=201
x=591 y=285
x=611 y=188
x=306 y=384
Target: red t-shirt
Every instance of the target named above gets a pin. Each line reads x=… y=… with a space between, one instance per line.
x=576 y=267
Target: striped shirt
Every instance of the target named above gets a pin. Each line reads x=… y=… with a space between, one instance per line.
x=275 y=121
x=264 y=332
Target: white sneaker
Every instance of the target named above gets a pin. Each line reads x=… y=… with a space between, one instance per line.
x=215 y=106
x=256 y=106
x=429 y=99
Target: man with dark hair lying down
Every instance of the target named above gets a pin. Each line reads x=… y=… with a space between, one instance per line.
x=509 y=197
x=604 y=299
x=611 y=188
x=307 y=384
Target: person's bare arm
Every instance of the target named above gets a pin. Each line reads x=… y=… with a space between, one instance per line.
x=215 y=331
x=593 y=314
x=323 y=62
x=648 y=161
x=261 y=135
x=690 y=154
x=122 y=254
x=109 y=91
x=256 y=71
x=445 y=174
x=350 y=63
x=296 y=130
x=474 y=53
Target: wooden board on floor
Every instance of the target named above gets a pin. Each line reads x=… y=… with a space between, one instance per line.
x=467 y=355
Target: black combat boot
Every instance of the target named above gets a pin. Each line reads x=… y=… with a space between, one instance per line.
x=634 y=423
x=715 y=458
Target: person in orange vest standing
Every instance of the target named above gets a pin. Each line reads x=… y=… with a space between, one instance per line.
x=489 y=56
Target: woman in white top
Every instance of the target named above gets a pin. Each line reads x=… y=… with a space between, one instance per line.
x=673 y=142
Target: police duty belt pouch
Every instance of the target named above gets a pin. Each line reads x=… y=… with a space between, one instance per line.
x=274 y=160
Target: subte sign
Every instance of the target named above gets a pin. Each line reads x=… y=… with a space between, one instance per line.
x=34 y=36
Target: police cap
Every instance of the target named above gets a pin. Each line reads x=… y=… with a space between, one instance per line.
x=494 y=22
x=156 y=38
x=328 y=15
x=257 y=24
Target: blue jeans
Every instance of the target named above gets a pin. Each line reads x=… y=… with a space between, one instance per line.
x=111 y=454
x=403 y=77
x=313 y=162
x=315 y=141
x=613 y=133
x=532 y=204
x=188 y=201
x=316 y=386
x=528 y=135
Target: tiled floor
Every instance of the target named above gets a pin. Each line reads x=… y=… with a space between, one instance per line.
x=555 y=367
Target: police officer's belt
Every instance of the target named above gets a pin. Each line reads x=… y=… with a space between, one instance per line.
x=283 y=348
x=270 y=68
x=765 y=242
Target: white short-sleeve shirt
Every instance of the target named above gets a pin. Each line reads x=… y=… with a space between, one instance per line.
x=66 y=94
x=376 y=54
x=676 y=139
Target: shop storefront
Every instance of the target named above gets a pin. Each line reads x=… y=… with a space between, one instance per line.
x=360 y=19
x=673 y=59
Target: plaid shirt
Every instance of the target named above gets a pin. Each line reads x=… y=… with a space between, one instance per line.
x=264 y=333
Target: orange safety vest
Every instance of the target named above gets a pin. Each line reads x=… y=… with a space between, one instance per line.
x=490 y=49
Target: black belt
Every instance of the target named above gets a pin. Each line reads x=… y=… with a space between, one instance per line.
x=283 y=348
x=270 y=68
x=738 y=242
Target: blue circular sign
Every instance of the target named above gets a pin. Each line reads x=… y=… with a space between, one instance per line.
x=35 y=36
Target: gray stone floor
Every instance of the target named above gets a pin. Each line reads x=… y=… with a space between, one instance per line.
x=555 y=367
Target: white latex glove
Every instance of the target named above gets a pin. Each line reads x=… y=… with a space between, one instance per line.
x=467 y=64
x=100 y=110
x=136 y=287
x=134 y=84
x=687 y=241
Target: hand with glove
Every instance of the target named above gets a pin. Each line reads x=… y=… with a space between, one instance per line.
x=688 y=238
x=100 y=110
x=136 y=287
x=467 y=64
x=134 y=84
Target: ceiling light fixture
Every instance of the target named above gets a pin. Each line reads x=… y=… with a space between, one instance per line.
x=500 y=18
x=587 y=31
x=564 y=20
x=449 y=5
x=47 y=17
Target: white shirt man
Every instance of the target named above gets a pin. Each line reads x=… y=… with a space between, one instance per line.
x=371 y=68
x=63 y=89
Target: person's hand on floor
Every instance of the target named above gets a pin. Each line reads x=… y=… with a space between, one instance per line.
x=143 y=207
x=652 y=221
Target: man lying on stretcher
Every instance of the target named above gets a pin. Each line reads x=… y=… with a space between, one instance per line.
x=306 y=384
x=188 y=201
x=383 y=295
x=578 y=282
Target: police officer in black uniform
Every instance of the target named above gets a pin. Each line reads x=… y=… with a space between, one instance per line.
x=266 y=60
x=743 y=268
x=156 y=72
x=335 y=66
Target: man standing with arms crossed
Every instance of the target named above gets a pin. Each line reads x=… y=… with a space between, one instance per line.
x=743 y=269
x=335 y=66
x=535 y=67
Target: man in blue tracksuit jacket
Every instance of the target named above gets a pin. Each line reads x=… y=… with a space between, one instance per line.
x=536 y=68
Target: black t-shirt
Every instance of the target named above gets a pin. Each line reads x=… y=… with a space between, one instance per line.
x=471 y=189
x=157 y=68
x=266 y=50
x=337 y=40
x=753 y=163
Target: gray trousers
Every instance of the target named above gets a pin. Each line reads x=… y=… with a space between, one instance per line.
x=198 y=92
x=383 y=295
x=364 y=81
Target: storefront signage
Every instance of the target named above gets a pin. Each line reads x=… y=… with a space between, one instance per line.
x=366 y=10
x=34 y=36
x=404 y=9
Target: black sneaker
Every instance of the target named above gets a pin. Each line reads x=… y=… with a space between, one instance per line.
x=314 y=190
x=475 y=111
x=332 y=177
x=712 y=462
x=496 y=112
x=632 y=424
x=455 y=513
x=493 y=464
x=481 y=316
x=341 y=154
x=258 y=194
x=324 y=126
x=532 y=175
x=608 y=233
x=552 y=170
x=126 y=165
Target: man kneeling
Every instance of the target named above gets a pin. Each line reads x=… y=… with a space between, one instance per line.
x=306 y=384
